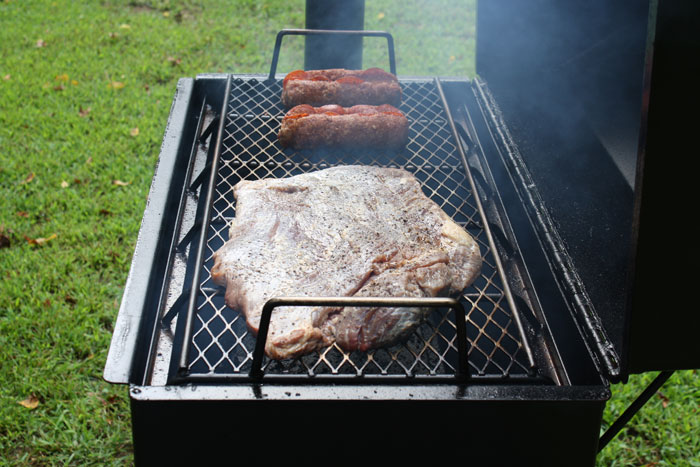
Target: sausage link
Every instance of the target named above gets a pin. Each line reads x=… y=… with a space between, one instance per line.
x=373 y=86
x=307 y=127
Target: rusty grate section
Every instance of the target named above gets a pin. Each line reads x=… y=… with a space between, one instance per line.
x=222 y=346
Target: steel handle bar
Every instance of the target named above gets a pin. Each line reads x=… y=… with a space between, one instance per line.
x=257 y=373
x=315 y=32
x=487 y=229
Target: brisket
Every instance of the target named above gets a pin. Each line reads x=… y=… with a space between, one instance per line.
x=344 y=231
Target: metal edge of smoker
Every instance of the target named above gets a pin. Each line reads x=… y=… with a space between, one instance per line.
x=121 y=355
x=327 y=391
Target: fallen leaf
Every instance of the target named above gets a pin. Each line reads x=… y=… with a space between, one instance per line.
x=70 y=300
x=62 y=77
x=124 y=26
x=119 y=183
x=6 y=77
x=116 y=85
x=64 y=184
x=113 y=35
x=29 y=178
x=452 y=58
x=174 y=61
x=60 y=87
x=4 y=241
x=84 y=112
x=31 y=402
x=380 y=16
x=134 y=132
x=105 y=212
x=166 y=13
x=24 y=214
x=664 y=399
x=89 y=160
x=73 y=82
x=40 y=43
x=47 y=302
x=40 y=241
x=77 y=181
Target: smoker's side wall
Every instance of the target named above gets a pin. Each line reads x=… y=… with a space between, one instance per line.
x=263 y=432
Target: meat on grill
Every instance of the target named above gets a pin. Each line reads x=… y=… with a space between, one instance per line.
x=373 y=86
x=307 y=127
x=343 y=231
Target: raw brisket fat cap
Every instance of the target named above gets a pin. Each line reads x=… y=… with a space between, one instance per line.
x=344 y=231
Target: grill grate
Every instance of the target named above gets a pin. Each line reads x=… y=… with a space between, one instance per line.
x=221 y=345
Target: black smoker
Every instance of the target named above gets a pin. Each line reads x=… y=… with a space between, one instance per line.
x=566 y=160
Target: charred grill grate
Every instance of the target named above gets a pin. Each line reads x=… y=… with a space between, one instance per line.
x=221 y=347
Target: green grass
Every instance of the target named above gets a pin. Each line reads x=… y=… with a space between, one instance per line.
x=77 y=78
x=665 y=432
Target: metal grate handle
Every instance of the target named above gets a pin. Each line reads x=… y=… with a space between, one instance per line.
x=413 y=302
x=310 y=32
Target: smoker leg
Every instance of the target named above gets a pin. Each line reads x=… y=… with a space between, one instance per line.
x=633 y=409
x=334 y=51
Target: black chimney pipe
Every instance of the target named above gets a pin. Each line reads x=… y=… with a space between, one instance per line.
x=334 y=51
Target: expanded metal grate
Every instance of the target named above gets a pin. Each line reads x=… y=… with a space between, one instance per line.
x=221 y=346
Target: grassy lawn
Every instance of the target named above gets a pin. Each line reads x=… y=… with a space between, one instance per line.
x=85 y=91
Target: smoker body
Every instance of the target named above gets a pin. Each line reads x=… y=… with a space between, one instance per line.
x=488 y=425
x=227 y=418
x=549 y=325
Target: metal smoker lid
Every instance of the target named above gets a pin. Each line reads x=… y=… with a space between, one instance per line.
x=603 y=136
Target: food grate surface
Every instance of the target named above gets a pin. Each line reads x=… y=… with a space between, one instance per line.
x=221 y=345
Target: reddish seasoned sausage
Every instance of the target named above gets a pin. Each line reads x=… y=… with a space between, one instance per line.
x=307 y=127
x=373 y=86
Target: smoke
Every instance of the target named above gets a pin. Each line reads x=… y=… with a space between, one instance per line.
x=568 y=77
x=571 y=60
